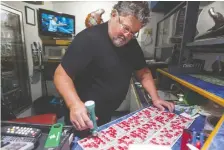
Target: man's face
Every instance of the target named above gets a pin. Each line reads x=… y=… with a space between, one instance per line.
x=123 y=29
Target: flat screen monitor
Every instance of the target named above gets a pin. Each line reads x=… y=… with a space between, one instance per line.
x=55 y=24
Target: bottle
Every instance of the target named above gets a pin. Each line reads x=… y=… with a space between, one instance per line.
x=90 y=106
x=94 y=18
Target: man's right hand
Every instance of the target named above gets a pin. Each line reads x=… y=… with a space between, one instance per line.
x=79 y=117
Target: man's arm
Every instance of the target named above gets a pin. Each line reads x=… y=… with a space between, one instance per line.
x=145 y=77
x=78 y=112
x=65 y=87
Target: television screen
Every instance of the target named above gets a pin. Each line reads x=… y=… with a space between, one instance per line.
x=56 y=24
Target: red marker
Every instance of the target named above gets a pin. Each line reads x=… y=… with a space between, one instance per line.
x=198 y=144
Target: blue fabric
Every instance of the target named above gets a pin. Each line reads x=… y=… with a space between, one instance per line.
x=218 y=141
x=212 y=88
x=197 y=125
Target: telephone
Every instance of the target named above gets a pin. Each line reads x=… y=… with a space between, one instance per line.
x=36 y=63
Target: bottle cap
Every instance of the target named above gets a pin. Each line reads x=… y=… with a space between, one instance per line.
x=89 y=103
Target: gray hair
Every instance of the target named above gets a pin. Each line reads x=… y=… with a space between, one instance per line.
x=135 y=8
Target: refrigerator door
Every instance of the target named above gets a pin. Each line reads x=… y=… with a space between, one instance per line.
x=15 y=88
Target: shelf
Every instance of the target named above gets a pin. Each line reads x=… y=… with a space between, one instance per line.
x=11 y=91
x=213 y=42
x=207 y=50
x=168 y=46
x=53 y=61
x=159 y=63
x=213 y=97
x=163 y=6
x=56 y=42
x=6 y=74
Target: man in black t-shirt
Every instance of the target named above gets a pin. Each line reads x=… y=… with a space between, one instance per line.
x=99 y=63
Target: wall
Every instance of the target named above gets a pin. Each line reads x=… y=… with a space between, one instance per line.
x=144 y=40
x=82 y=9
x=31 y=35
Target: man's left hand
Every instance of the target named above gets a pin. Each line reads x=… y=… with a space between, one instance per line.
x=159 y=103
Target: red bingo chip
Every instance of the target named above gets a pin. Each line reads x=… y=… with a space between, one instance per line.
x=146 y=126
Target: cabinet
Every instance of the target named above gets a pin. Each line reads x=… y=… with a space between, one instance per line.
x=176 y=29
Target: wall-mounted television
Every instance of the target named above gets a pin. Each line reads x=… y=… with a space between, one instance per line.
x=55 y=24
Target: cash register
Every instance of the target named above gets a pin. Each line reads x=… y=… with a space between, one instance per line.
x=21 y=136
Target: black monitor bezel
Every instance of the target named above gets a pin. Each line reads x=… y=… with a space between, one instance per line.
x=53 y=34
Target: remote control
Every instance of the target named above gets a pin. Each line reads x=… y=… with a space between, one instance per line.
x=20 y=131
x=16 y=145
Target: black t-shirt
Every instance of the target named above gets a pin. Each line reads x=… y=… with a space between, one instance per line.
x=101 y=71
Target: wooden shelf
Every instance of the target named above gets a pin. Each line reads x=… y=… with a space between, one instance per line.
x=210 y=96
x=57 y=42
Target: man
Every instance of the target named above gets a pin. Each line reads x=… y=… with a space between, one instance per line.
x=100 y=61
x=53 y=25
